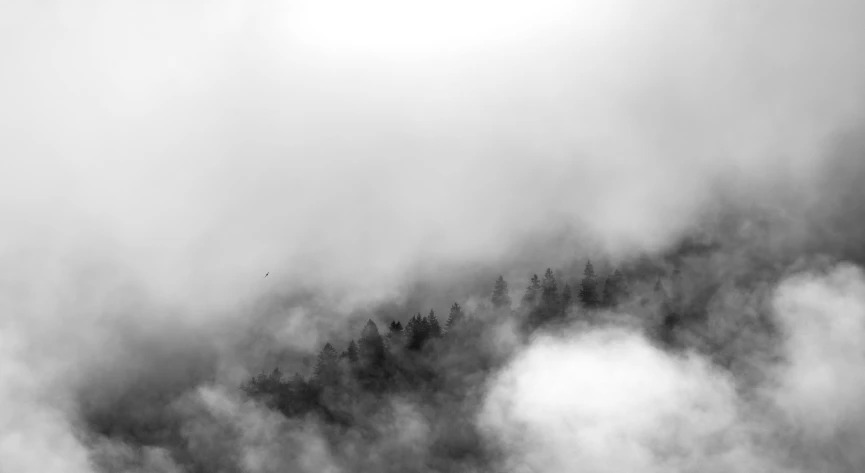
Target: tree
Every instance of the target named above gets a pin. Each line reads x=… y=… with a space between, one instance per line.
x=258 y=385
x=624 y=292
x=455 y=317
x=395 y=334
x=276 y=375
x=371 y=346
x=435 y=329
x=550 y=291
x=566 y=297
x=326 y=368
x=297 y=381
x=372 y=367
x=532 y=294
x=298 y=397
x=588 y=287
x=500 y=297
x=549 y=306
x=417 y=332
x=395 y=327
x=410 y=331
x=351 y=352
x=615 y=290
x=609 y=295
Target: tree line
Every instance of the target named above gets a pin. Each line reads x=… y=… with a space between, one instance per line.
x=404 y=358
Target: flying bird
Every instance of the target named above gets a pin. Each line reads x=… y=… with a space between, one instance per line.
x=267 y=273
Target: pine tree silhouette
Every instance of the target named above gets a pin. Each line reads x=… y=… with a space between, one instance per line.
x=371 y=345
x=622 y=291
x=435 y=329
x=417 y=332
x=588 y=288
x=455 y=317
x=500 y=297
x=395 y=335
x=326 y=370
x=372 y=372
x=351 y=351
x=567 y=297
x=609 y=295
x=276 y=375
x=532 y=295
x=550 y=291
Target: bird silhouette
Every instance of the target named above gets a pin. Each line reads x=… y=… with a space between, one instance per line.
x=266 y=274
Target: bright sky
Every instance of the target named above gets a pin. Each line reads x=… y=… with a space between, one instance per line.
x=397 y=29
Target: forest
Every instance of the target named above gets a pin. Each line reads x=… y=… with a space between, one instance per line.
x=441 y=364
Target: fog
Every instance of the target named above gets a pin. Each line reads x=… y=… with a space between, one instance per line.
x=610 y=401
x=157 y=159
x=206 y=144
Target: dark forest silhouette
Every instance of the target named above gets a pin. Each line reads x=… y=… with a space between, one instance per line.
x=422 y=358
x=440 y=362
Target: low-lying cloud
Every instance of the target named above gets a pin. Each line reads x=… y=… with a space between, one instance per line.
x=609 y=400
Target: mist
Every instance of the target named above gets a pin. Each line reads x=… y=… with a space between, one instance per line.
x=610 y=401
x=158 y=159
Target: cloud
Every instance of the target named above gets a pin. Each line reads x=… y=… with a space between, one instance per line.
x=819 y=387
x=824 y=319
x=158 y=159
x=34 y=437
x=608 y=400
x=212 y=146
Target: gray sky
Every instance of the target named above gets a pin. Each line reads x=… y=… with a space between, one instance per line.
x=204 y=144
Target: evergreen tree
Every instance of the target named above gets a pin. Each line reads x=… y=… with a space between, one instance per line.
x=297 y=381
x=435 y=329
x=371 y=345
x=410 y=331
x=423 y=328
x=261 y=379
x=299 y=398
x=550 y=291
x=395 y=327
x=417 y=332
x=549 y=307
x=615 y=290
x=588 y=288
x=372 y=371
x=395 y=335
x=351 y=351
x=455 y=317
x=532 y=294
x=262 y=384
x=609 y=295
x=567 y=298
x=500 y=297
x=276 y=375
x=250 y=387
x=624 y=292
x=326 y=368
